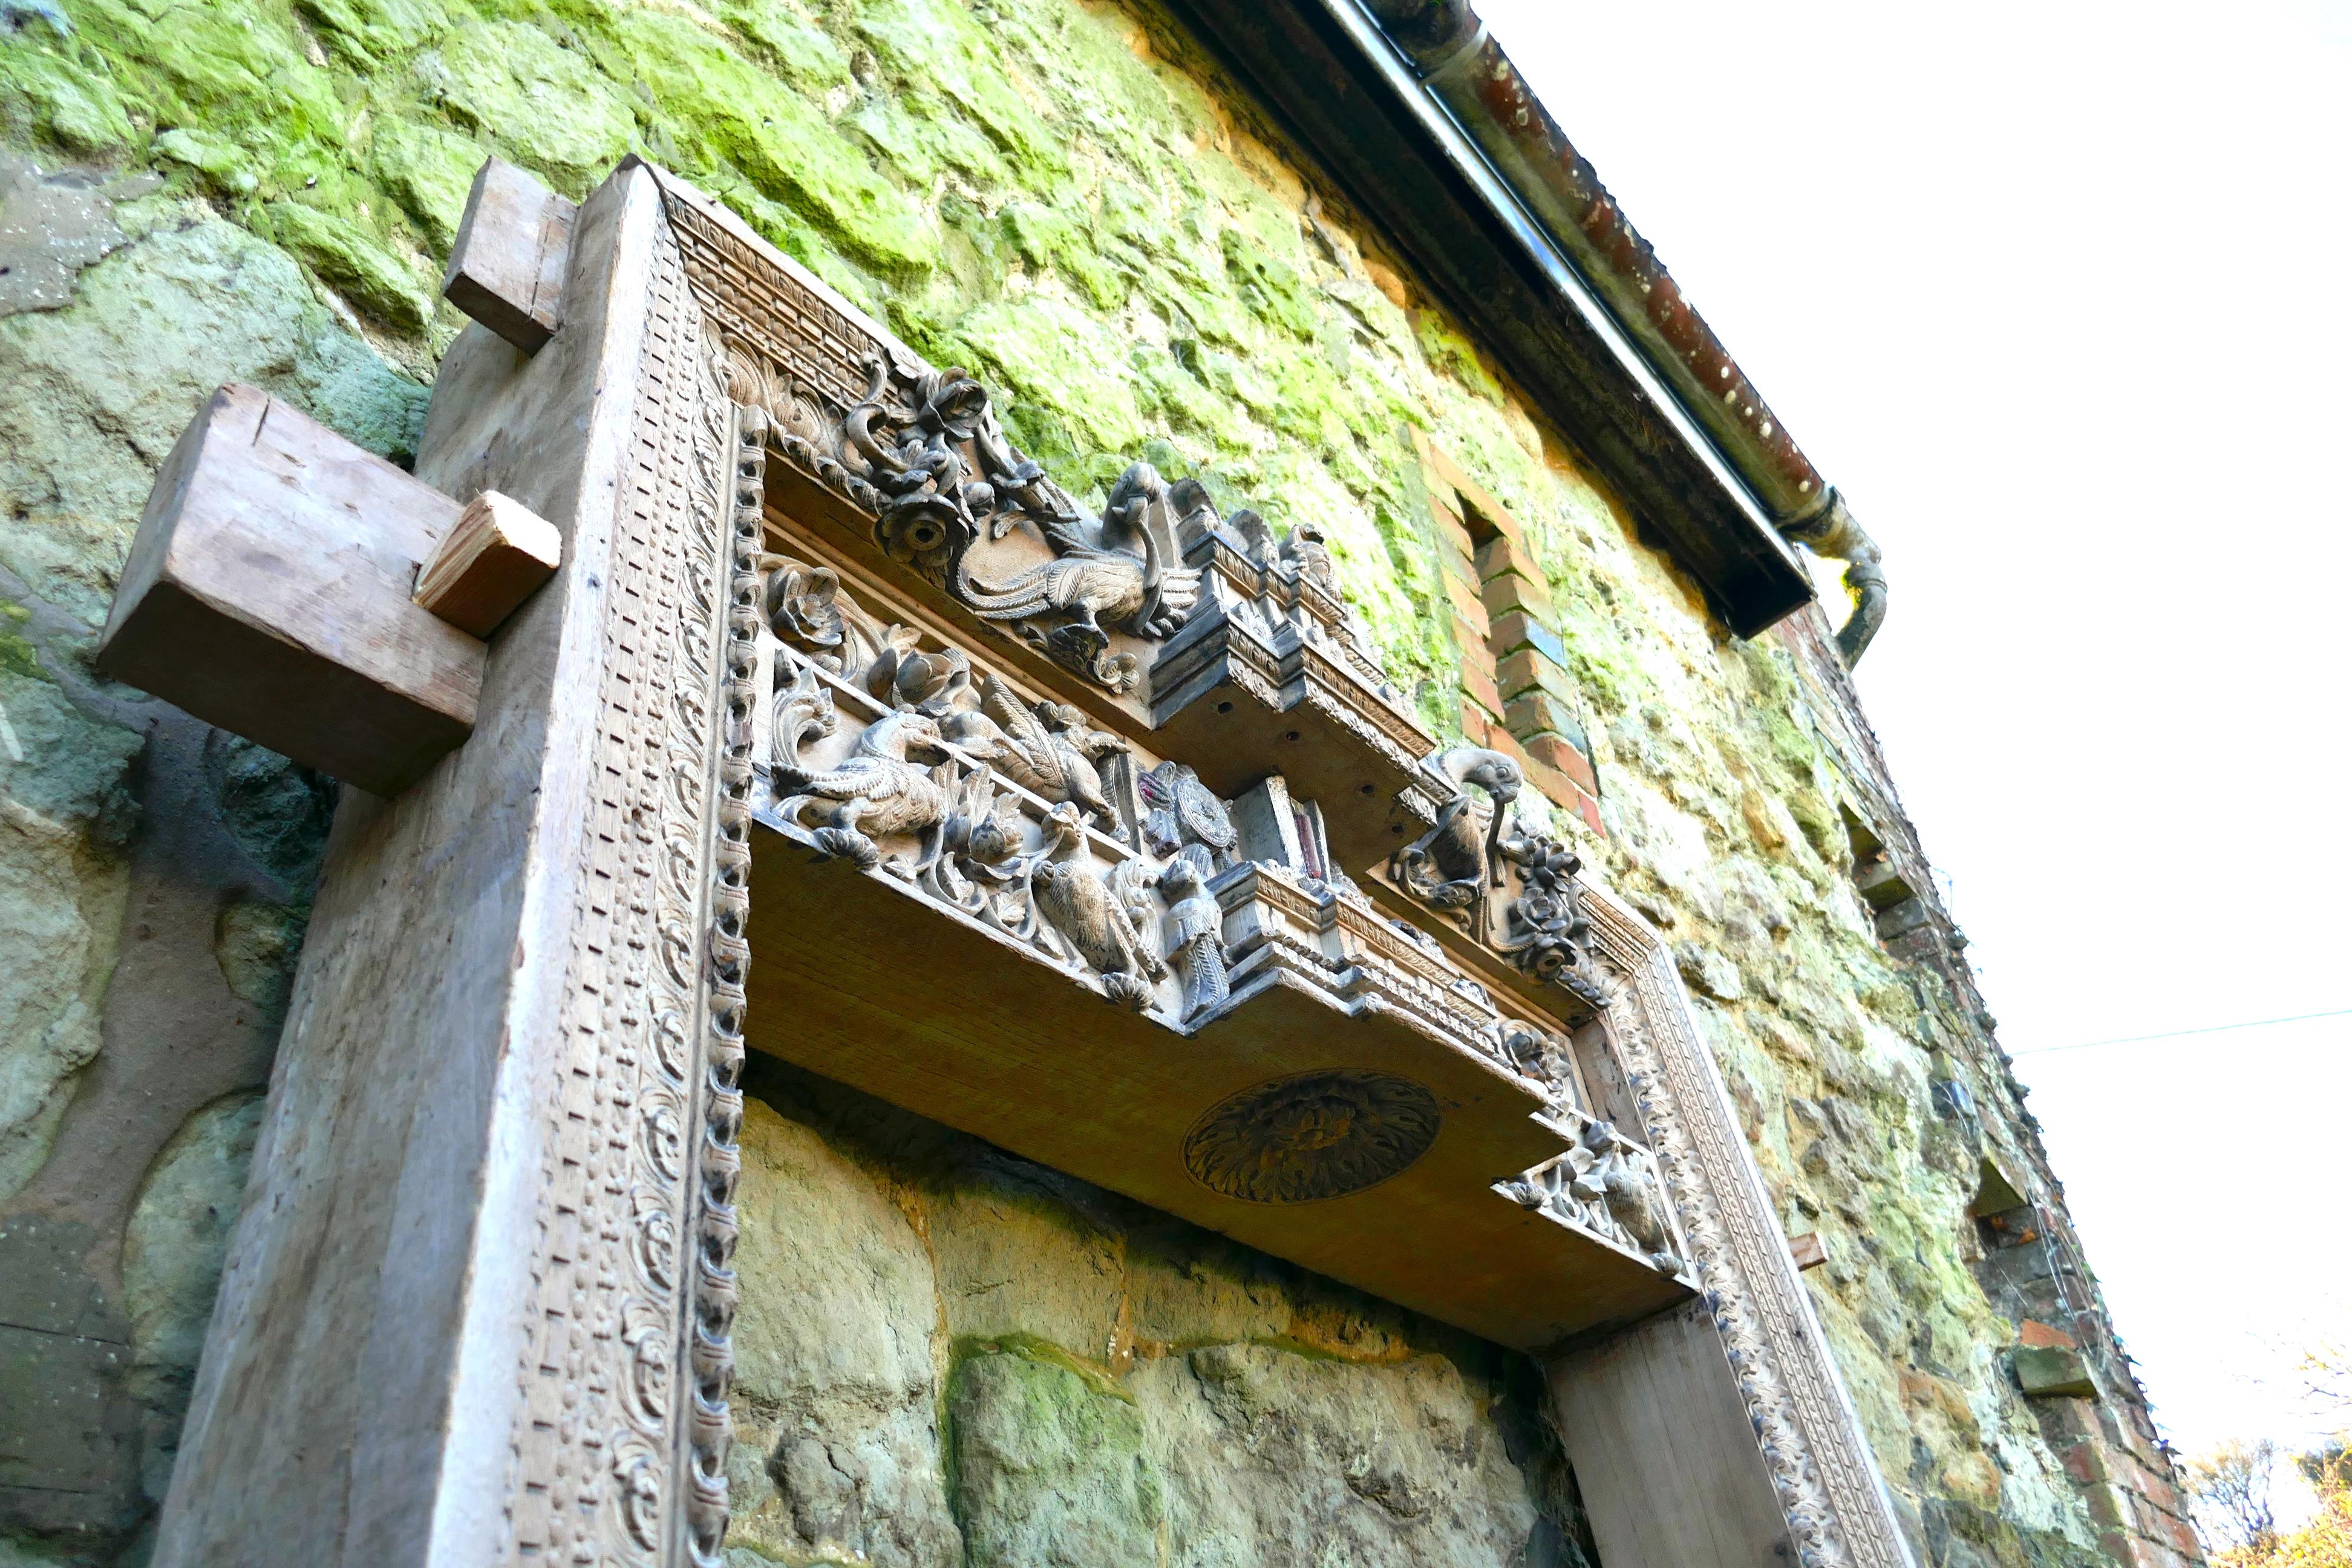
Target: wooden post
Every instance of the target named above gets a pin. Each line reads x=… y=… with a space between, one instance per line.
x=447 y=1333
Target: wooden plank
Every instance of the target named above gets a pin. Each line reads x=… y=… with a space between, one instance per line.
x=267 y=592
x=1664 y=1456
x=498 y=554
x=507 y=268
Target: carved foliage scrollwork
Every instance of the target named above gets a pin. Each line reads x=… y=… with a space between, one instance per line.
x=1545 y=932
x=1516 y=889
x=616 y=1446
x=1813 y=1450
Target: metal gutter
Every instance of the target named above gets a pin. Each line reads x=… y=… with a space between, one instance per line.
x=1420 y=117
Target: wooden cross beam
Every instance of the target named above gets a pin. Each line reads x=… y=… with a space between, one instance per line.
x=290 y=588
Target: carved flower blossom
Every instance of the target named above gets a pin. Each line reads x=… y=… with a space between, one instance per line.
x=805 y=611
x=905 y=676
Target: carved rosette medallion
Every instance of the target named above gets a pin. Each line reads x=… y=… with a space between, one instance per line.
x=1314 y=1135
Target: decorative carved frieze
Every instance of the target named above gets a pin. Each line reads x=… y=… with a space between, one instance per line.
x=1813 y=1449
x=1607 y=1185
x=893 y=752
x=620 y=1437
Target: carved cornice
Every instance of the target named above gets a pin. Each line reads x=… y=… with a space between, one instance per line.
x=913 y=458
x=1282 y=928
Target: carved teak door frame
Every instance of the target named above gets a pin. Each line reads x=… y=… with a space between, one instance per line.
x=478 y=1302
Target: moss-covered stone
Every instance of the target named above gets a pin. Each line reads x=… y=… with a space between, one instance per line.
x=724 y=111
x=428 y=171
x=544 y=105
x=386 y=285
x=1050 y=1471
x=51 y=90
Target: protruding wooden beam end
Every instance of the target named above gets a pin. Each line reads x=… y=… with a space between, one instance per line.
x=507 y=268
x=495 y=556
x=267 y=593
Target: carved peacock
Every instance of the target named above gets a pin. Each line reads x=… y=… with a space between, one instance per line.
x=1050 y=750
x=1125 y=573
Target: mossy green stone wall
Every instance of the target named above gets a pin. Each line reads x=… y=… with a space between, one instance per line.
x=1048 y=192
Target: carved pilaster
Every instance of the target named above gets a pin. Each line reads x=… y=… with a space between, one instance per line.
x=1821 y=1468
x=641 y=1101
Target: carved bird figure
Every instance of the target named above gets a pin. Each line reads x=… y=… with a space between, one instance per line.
x=1632 y=1201
x=1051 y=750
x=1093 y=912
x=1126 y=573
x=1198 y=944
x=875 y=790
x=1448 y=864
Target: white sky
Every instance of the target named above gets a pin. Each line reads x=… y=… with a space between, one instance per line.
x=2056 y=294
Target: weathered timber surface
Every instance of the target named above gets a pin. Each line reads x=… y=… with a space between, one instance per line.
x=1664 y=1458
x=356 y=1400
x=953 y=1025
x=495 y=556
x=507 y=268
x=267 y=593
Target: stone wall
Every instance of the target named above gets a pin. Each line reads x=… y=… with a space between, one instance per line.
x=950 y=1355
x=941 y=1347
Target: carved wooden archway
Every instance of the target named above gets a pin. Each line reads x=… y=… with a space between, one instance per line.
x=478 y=1302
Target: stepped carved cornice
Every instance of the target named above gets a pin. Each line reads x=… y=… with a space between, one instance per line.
x=1230 y=645
x=1022 y=882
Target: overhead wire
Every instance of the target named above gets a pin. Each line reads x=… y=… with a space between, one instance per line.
x=2181 y=1034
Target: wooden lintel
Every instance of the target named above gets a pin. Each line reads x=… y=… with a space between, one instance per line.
x=506 y=270
x=267 y=592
